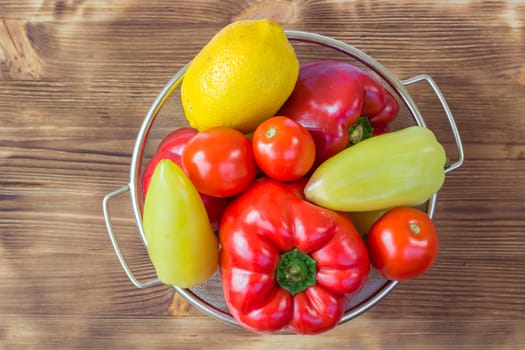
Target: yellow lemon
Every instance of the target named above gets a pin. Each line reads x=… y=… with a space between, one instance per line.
x=241 y=77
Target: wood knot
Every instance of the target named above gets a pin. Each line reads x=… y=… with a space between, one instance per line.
x=178 y=306
x=520 y=76
x=59 y=7
x=18 y=60
x=282 y=12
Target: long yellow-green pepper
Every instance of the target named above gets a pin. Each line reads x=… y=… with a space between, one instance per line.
x=404 y=167
x=181 y=242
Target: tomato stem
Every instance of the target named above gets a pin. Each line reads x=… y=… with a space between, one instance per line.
x=414 y=228
x=270 y=133
x=296 y=271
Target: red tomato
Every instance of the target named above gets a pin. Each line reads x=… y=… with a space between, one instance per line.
x=171 y=147
x=403 y=243
x=219 y=162
x=283 y=148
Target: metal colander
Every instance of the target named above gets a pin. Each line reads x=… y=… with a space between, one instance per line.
x=166 y=114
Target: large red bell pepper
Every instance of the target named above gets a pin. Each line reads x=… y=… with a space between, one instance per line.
x=330 y=96
x=287 y=264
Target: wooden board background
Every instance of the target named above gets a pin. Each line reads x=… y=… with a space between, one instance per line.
x=76 y=80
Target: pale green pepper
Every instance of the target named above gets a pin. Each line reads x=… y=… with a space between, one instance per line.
x=363 y=220
x=181 y=243
x=404 y=167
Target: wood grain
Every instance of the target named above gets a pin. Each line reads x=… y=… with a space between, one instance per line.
x=77 y=78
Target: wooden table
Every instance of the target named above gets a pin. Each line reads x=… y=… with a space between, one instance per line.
x=76 y=80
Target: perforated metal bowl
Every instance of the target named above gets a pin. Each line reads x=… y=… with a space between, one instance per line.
x=166 y=114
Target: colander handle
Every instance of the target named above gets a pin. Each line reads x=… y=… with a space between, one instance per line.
x=448 y=113
x=114 y=242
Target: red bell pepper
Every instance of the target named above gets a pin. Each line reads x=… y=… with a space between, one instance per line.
x=330 y=96
x=327 y=99
x=287 y=264
x=171 y=147
x=387 y=114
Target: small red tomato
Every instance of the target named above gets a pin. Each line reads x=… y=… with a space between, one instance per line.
x=403 y=243
x=219 y=162
x=283 y=148
x=171 y=147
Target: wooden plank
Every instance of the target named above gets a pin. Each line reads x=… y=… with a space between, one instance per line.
x=196 y=332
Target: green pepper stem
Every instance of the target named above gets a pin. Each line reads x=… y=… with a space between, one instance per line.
x=296 y=271
x=360 y=130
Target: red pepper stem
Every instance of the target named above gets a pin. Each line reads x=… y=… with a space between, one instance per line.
x=360 y=130
x=296 y=271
